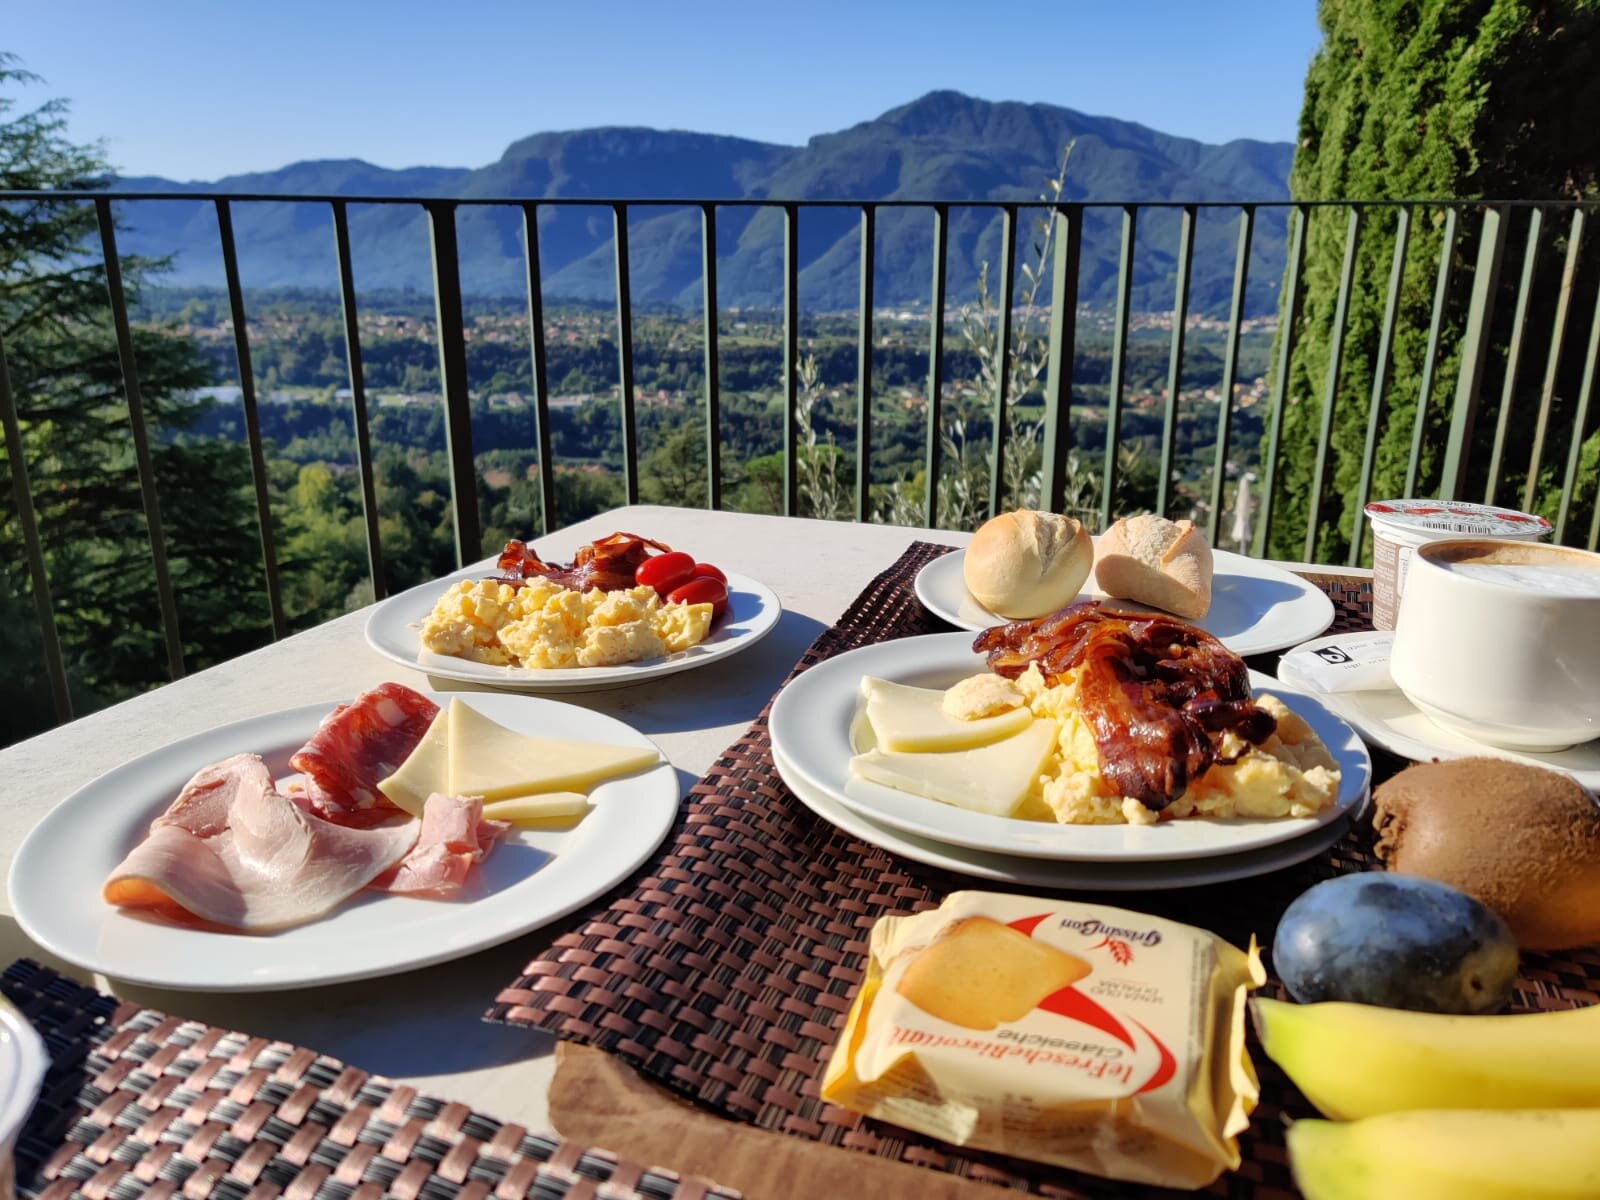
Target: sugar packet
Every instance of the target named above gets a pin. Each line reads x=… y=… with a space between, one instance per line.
x=1346 y=662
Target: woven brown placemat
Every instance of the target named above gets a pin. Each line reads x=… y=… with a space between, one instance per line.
x=139 y=1106
x=725 y=969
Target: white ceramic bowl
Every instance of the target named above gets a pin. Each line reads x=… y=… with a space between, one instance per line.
x=1485 y=651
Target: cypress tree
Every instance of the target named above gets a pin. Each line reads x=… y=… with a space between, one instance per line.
x=1433 y=99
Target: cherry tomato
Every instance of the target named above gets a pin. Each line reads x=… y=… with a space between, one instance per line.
x=707 y=571
x=704 y=590
x=665 y=571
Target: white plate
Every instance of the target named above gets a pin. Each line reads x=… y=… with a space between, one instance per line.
x=810 y=726
x=1389 y=720
x=1255 y=607
x=392 y=631
x=1067 y=876
x=533 y=877
x=23 y=1063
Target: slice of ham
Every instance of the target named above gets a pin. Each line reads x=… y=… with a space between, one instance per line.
x=357 y=745
x=453 y=838
x=234 y=851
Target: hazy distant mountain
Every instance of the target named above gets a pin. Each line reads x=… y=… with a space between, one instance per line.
x=944 y=146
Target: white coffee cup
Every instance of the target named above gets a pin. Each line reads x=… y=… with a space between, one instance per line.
x=1500 y=641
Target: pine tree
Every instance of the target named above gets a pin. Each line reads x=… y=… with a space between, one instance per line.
x=1422 y=99
x=60 y=348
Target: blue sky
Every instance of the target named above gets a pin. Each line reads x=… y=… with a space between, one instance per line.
x=196 y=90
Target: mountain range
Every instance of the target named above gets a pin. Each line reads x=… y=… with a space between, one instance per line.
x=944 y=146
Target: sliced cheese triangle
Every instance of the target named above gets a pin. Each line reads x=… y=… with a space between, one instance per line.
x=913 y=720
x=489 y=760
x=993 y=779
x=425 y=771
x=537 y=808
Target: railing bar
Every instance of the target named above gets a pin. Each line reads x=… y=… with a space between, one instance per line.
x=27 y=518
x=1519 y=324
x=358 y=401
x=1066 y=254
x=1119 y=365
x=1330 y=397
x=252 y=419
x=713 y=359
x=1558 y=333
x=1594 y=522
x=141 y=439
x=1580 y=419
x=1002 y=366
x=1474 y=353
x=1430 y=357
x=941 y=240
x=539 y=364
x=630 y=430
x=1180 y=321
x=1380 y=382
x=67 y=195
x=791 y=359
x=1280 y=391
x=453 y=381
x=869 y=218
x=1230 y=370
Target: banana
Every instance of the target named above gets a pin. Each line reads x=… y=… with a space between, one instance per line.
x=1357 y=1060
x=1529 y=1154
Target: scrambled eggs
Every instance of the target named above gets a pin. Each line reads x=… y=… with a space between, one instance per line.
x=1291 y=774
x=542 y=624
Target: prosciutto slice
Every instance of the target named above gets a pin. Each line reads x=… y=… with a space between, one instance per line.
x=234 y=851
x=453 y=838
x=357 y=745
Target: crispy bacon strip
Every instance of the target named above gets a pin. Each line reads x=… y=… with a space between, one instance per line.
x=606 y=563
x=1157 y=693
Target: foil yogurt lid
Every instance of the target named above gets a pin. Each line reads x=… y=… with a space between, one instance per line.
x=1458 y=516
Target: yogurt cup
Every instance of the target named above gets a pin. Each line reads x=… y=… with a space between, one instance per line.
x=1400 y=526
x=22 y=1066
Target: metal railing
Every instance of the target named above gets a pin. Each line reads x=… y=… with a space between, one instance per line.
x=1068 y=220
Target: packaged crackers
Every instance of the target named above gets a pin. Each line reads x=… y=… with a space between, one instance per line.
x=1089 y=1037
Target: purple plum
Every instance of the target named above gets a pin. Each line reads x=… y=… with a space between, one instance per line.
x=1399 y=941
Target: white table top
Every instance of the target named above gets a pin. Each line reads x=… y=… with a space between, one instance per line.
x=424 y=1027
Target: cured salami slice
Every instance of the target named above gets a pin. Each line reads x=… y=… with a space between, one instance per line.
x=359 y=744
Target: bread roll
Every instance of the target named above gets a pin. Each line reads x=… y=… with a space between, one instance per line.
x=1026 y=563
x=1165 y=564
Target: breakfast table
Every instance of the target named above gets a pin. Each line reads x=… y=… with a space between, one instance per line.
x=424 y=1029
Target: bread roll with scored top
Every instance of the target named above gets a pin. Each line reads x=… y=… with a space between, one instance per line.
x=1026 y=563
x=1165 y=564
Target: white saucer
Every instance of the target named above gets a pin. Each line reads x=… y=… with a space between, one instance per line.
x=1063 y=876
x=1389 y=720
x=1255 y=607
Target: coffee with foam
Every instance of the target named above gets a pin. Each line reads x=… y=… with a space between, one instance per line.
x=1548 y=569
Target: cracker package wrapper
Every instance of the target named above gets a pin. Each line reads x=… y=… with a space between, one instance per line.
x=1089 y=1037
